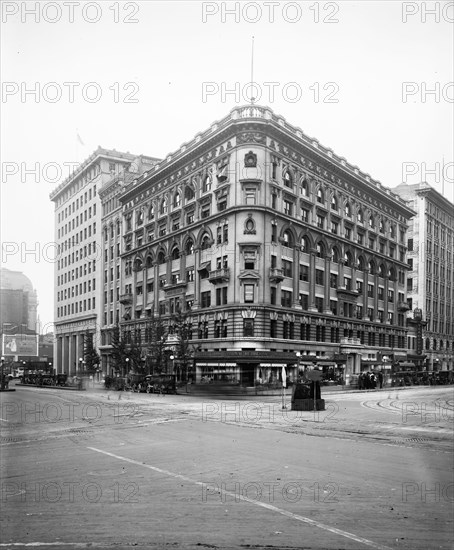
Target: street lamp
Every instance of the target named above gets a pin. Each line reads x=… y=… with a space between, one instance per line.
x=80 y=365
x=127 y=365
x=172 y=358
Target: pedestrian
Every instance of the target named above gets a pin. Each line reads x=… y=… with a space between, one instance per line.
x=380 y=379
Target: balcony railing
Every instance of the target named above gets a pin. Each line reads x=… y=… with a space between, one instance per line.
x=276 y=274
x=403 y=306
x=350 y=341
x=219 y=275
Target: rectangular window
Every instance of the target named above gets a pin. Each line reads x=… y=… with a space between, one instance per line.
x=333 y=280
x=305 y=215
x=273 y=295
x=286 y=298
x=304 y=273
x=206 y=299
x=249 y=293
x=319 y=277
x=288 y=207
x=287 y=268
x=248 y=327
x=319 y=304
x=304 y=301
x=320 y=221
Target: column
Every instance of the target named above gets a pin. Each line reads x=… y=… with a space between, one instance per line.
x=327 y=292
x=375 y=296
x=296 y=278
x=70 y=355
x=385 y=301
x=156 y=288
x=365 y=297
x=58 y=356
x=312 y=308
x=196 y=277
x=65 y=353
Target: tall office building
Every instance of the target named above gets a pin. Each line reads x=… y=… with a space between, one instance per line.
x=430 y=283
x=78 y=270
x=280 y=252
x=18 y=301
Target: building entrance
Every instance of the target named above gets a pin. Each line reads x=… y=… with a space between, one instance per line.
x=247 y=374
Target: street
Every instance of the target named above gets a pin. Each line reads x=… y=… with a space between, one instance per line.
x=100 y=469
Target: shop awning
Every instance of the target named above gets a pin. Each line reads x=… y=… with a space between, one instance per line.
x=204 y=265
x=326 y=364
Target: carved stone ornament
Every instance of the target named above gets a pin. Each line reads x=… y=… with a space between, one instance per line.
x=250 y=160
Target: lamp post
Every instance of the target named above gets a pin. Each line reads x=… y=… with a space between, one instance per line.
x=172 y=358
x=80 y=365
x=127 y=365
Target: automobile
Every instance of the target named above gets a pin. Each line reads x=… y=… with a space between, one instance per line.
x=161 y=383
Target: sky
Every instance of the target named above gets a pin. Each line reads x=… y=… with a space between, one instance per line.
x=371 y=80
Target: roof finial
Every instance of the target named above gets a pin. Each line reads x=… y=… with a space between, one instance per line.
x=252 y=70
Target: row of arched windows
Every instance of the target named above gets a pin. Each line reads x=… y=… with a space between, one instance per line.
x=322 y=250
x=348 y=209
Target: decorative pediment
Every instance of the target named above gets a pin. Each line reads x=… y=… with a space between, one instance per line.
x=249 y=274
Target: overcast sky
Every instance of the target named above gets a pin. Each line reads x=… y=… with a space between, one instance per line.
x=371 y=80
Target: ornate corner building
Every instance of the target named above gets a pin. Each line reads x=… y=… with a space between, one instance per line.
x=430 y=283
x=272 y=244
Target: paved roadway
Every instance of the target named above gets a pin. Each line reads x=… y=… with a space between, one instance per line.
x=118 y=470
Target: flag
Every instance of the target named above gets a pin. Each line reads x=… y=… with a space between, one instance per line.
x=284 y=378
x=79 y=139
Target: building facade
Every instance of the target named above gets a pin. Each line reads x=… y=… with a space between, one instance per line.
x=430 y=283
x=78 y=269
x=111 y=242
x=19 y=300
x=279 y=252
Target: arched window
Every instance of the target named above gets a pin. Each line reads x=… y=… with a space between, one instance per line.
x=334 y=255
x=151 y=212
x=427 y=343
x=320 y=196
x=288 y=238
x=163 y=208
x=382 y=227
x=360 y=264
x=392 y=274
x=371 y=267
x=161 y=258
x=381 y=271
x=348 y=259
x=206 y=186
x=320 y=250
x=138 y=264
x=206 y=242
x=175 y=253
x=360 y=216
x=348 y=210
x=288 y=179
x=305 y=188
x=189 y=248
x=371 y=222
x=149 y=262
x=176 y=200
x=334 y=203
x=189 y=192
x=305 y=244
